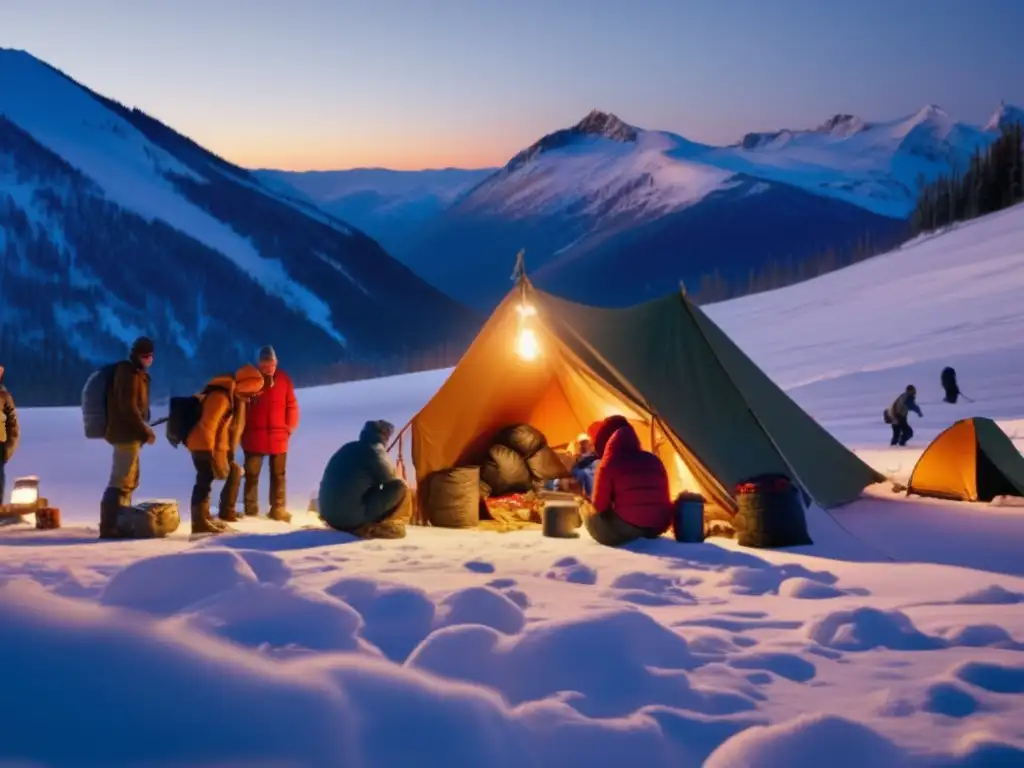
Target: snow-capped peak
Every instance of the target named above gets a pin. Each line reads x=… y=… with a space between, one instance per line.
x=842 y=125
x=605 y=124
x=1006 y=114
x=932 y=115
x=597 y=124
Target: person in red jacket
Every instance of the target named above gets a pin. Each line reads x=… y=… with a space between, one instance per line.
x=600 y=431
x=272 y=418
x=631 y=496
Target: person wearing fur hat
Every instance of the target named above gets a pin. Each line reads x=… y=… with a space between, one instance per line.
x=127 y=431
x=214 y=441
x=9 y=431
x=359 y=492
x=272 y=418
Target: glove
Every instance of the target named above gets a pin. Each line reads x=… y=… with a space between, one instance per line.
x=150 y=436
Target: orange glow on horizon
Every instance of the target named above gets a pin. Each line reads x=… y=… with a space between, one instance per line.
x=458 y=152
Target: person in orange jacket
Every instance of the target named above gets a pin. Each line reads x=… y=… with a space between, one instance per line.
x=214 y=441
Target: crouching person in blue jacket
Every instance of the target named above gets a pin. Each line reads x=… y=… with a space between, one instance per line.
x=359 y=491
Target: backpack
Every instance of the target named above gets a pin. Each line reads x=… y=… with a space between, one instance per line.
x=184 y=414
x=94 y=402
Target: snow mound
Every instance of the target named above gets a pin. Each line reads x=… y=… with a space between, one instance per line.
x=746 y=580
x=949 y=699
x=396 y=617
x=165 y=584
x=992 y=676
x=980 y=636
x=573 y=571
x=570 y=658
x=863 y=629
x=280 y=620
x=92 y=665
x=787 y=665
x=480 y=605
x=980 y=750
x=94 y=671
x=992 y=595
x=805 y=740
x=808 y=589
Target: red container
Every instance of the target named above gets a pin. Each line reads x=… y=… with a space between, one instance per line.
x=48 y=519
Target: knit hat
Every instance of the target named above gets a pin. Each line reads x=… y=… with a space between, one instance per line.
x=267 y=353
x=142 y=346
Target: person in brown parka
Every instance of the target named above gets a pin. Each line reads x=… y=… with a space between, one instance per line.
x=128 y=430
x=214 y=441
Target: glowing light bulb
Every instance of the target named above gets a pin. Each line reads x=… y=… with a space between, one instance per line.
x=527 y=345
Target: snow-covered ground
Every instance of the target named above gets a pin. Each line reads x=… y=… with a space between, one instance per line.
x=896 y=639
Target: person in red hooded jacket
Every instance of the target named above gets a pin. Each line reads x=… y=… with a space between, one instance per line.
x=631 y=496
x=272 y=418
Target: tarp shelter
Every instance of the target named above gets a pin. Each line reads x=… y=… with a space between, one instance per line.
x=712 y=416
x=973 y=460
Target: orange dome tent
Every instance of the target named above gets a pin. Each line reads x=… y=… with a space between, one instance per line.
x=973 y=460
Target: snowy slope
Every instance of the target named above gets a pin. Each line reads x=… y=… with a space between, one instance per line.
x=896 y=640
x=131 y=171
x=126 y=227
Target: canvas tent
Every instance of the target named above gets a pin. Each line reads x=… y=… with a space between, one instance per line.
x=973 y=460
x=697 y=401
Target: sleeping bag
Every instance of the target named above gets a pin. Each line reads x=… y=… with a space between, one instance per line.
x=522 y=438
x=505 y=471
x=546 y=465
x=453 y=497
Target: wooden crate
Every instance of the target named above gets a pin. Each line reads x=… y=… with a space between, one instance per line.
x=48 y=519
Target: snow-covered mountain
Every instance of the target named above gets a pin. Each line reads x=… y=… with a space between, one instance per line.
x=877 y=166
x=1006 y=115
x=390 y=206
x=611 y=213
x=112 y=225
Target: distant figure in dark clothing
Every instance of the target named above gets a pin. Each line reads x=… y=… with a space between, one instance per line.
x=897 y=415
x=950 y=386
x=359 y=492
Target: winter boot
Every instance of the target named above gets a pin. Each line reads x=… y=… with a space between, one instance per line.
x=201 y=521
x=280 y=515
x=110 y=510
x=388 y=528
x=227 y=515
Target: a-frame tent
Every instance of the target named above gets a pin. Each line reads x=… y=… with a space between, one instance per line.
x=712 y=416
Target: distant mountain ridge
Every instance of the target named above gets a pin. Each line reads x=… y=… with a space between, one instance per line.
x=113 y=225
x=604 y=192
x=391 y=206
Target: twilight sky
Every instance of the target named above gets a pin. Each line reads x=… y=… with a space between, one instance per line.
x=318 y=84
